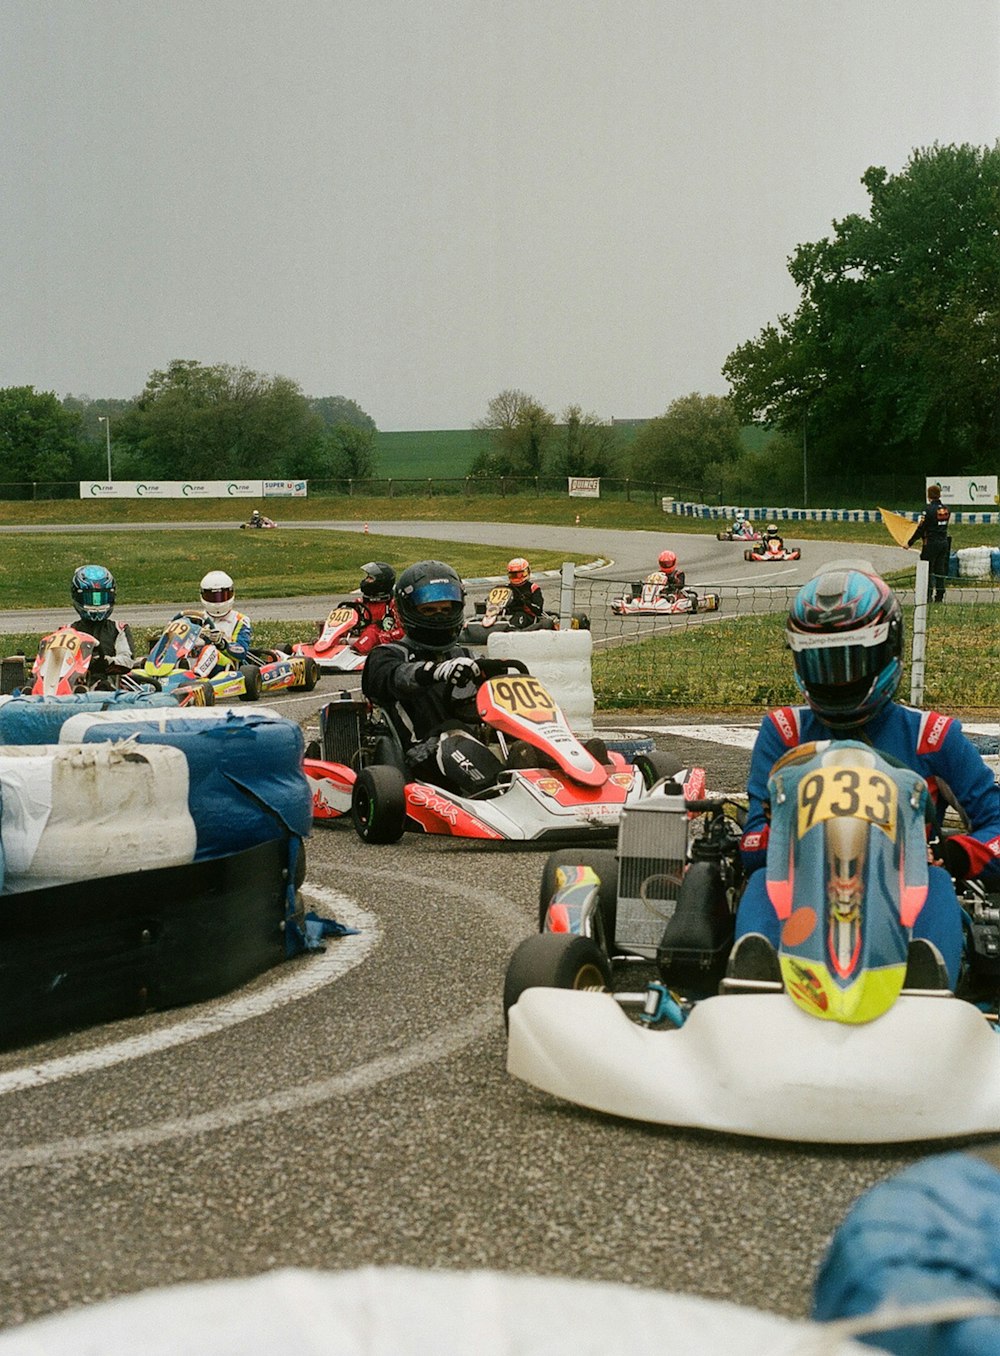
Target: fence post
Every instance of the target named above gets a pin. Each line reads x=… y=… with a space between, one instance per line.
x=567 y=595
x=919 y=652
x=503 y=487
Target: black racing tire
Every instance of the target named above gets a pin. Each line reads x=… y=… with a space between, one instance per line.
x=723 y=536
x=251 y=683
x=604 y=864
x=555 y=960
x=378 y=804
x=312 y=673
x=653 y=767
x=208 y=694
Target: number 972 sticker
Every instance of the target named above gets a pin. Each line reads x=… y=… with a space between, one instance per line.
x=847 y=792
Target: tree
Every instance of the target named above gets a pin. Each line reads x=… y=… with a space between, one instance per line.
x=589 y=445
x=335 y=410
x=212 y=422
x=352 y=452
x=893 y=354
x=520 y=431
x=687 y=446
x=39 y=440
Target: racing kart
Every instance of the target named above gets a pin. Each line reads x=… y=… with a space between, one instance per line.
x=260 y=521
x=184 y=655
x=651 y=599
x=548 y=785
x=333 y=650
x=62 y=667
x=841 y=1038
x=732 y=535
x=492 y=615
x=772 y=550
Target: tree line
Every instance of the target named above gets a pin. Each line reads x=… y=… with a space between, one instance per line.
x=891 y=360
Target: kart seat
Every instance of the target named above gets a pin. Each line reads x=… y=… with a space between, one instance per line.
x=523 y=755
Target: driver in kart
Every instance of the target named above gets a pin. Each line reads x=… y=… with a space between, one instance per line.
x=525 y=605
x=426 y=683
x=773 y=541
x=671 y=582
x=92 y=590
x=845 y=631
x=230 y=631
x=378 y=622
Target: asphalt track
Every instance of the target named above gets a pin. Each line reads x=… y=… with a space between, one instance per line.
x=353 y=1108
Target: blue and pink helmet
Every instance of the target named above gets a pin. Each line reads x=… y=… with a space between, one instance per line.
x=845 y=631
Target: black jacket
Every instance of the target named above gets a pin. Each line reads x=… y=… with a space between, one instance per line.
x=416 y=710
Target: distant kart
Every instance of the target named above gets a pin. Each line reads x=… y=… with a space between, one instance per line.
x=335 y=650
x=654 y=600
x=260 y=521
x=751 y=534
x=492 y=615
x=772 y=550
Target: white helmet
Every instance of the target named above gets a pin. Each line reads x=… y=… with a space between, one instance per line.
x=217 y=593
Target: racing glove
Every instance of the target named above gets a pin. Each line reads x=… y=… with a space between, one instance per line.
x=954 y=858
x=454 y=671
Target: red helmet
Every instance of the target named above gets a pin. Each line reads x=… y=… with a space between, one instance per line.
x=668 y=562
x=518 y=570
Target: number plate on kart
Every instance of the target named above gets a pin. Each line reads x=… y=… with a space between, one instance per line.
x=62 y=640
x=339 y=615
x=522 y=696
x=847 y=792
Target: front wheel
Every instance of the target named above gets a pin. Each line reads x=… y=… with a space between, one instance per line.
x=656 y=766
x=251 y=683
x=312 y=673
x=378 y=804
x=553 y=960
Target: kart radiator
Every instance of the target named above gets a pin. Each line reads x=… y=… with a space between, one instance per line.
x=341 y=729
x=652 y=853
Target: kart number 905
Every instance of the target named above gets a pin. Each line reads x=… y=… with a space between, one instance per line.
x=523 y=696
x=847 y=792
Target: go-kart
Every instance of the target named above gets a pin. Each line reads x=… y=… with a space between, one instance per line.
x=259 y=521
x=747 y=533
x=653 y=599
x=549 y=784
x=334 y=649
x=62 y=667
x=184 y=655
x=772 y=549
x=493 y=615
x=839 y=1038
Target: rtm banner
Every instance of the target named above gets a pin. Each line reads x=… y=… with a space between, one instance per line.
x=585 y=487
x=192 y=489
x=966 y=489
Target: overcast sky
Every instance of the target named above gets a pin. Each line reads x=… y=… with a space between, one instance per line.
x=419 y=203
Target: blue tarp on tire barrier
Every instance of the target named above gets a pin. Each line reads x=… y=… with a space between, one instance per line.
x=38 y=720
x=247 y=784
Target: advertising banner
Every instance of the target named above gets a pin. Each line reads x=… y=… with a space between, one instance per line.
x=585 y=487
x=294 y=489
x=176 y=489
x=966 y=489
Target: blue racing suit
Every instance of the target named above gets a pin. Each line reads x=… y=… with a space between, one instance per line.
x=925 y=741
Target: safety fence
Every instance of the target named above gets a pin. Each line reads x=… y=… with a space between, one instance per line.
x=733 y=656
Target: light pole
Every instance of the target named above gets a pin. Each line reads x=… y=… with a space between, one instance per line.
x=105 y=420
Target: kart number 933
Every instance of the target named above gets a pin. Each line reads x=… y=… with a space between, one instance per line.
x=850 y=792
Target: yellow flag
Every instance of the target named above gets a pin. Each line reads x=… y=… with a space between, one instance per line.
x=900 y=528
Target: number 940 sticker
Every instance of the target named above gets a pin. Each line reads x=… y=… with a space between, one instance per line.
x=847 y=792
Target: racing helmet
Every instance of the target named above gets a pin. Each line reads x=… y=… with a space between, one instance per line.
x=377 y=580
x=518 y=570
x=430 y=600
x=845 y=631
x=92 y=589
x=255 y=515
x=772 y=530
x=667 y=561
x=217 y=593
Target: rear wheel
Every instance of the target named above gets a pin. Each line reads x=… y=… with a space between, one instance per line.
x=312 y=673
x=378 y=804
x=604 y=864
x=654 y=767
x=555 y=961
x=251 y=683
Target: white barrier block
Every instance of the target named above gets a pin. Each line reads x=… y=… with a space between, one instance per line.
x=561 y=660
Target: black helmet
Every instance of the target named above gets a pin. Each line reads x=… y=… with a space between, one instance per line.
x=845 y=629
x=377 y=580
x=92 y=589
x=423 y=584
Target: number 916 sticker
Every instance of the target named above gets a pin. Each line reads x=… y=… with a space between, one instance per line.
x=847 y=792
x=524 y=696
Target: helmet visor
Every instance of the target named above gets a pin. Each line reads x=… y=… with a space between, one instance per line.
x=438 y=591
x=96 y=597
x=826 y=659
x=217 y=595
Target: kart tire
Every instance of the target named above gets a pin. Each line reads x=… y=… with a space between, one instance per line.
x=208 y=694
x=251 y=683
x=748 y=555
x=711 y=602
x=312 y=674
x=378 y=804
x=654 y=767
x=604 y=864
x=580 y=622
x=723 y=536
x=555 y=960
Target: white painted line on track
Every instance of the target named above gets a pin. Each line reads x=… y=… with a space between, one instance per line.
x=307 y=974
x=736 y=736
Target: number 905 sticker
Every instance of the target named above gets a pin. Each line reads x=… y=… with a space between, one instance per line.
x=847 y=792
x=523 y=696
